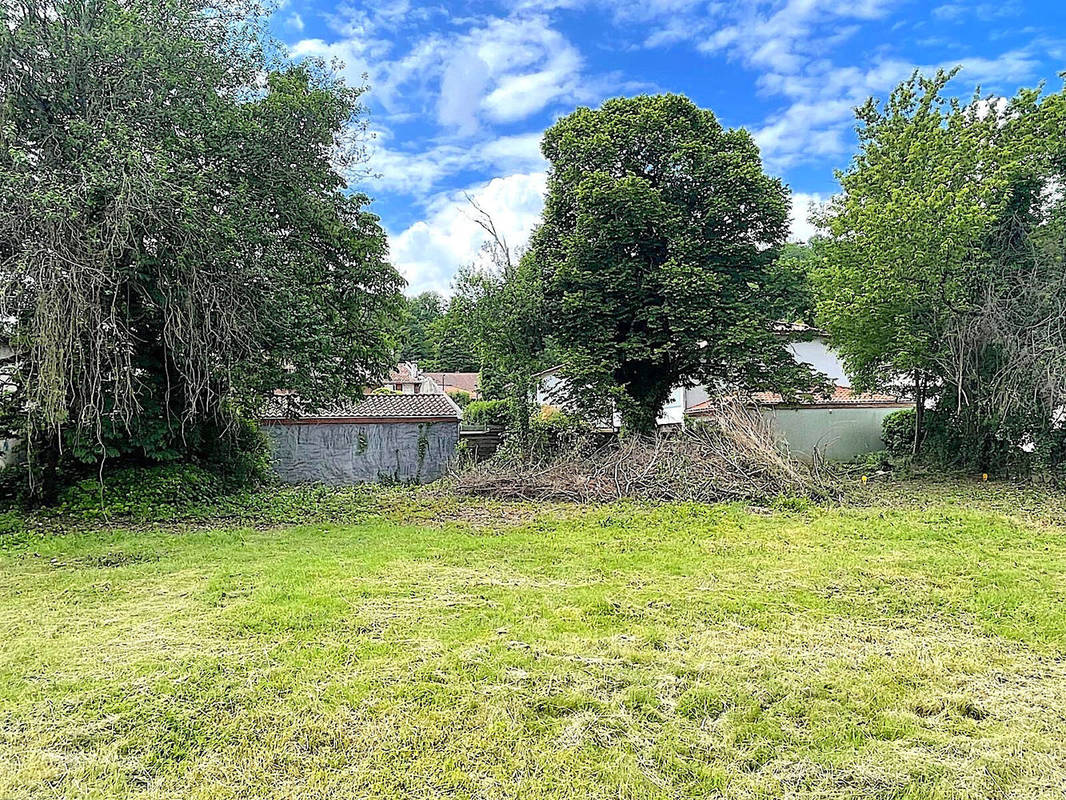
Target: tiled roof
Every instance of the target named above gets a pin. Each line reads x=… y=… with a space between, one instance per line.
x=842 y=396
x=404 y=373
x=463 y=381
x=376 y=406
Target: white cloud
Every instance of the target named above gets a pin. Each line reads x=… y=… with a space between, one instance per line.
x=416 y=173
x=800 y=227
x=823 y=97
x=294 y=21
x=429 y=252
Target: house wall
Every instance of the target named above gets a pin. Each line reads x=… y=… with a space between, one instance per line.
x=822 y=357
x=838 y=434
x=348 y=453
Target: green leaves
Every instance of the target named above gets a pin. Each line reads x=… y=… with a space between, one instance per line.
x=175 y=240
x=660 y=229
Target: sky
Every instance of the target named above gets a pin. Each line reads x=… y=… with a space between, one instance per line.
x=460 y=92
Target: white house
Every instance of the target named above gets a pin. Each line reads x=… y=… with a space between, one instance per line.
x=407 y=378
x=840 y=426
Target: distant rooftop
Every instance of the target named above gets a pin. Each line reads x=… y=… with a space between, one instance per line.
x=841 y=397
x=469 y=382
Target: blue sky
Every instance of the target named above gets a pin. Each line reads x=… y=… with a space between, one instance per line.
x=461 y=91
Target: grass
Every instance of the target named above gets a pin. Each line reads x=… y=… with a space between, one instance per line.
x=448 y=648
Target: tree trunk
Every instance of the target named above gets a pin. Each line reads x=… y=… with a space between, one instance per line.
x=46 y=486
x=919 y=413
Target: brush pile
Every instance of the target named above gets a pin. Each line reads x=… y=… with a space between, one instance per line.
x=733 y=457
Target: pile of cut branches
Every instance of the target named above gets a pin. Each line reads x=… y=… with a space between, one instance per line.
x=732 y=457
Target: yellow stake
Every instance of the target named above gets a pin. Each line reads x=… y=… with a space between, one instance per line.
x=984 y=476
x=864 y=479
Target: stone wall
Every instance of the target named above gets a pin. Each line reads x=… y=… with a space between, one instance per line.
x=380 y=452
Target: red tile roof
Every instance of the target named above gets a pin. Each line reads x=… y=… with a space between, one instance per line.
x=404 y=374
x=469 y=382
x=842 y=396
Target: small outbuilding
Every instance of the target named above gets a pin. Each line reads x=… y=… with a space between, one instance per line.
x=384 y=438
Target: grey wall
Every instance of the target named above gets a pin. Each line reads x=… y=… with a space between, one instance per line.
x=838 y=434
x=341 y=453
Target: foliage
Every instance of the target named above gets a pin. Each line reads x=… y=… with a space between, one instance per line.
x=175 y=238
x=459 y=397
x=897 y=431
x=945 y=265
x=487 y=413
x=790 y=277
x=455 y=349
x=420 y=313
x=503 y=298
x=437 y=334
x=656 y=253
x=552 y=431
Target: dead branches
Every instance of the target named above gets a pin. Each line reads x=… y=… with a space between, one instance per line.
x=735 y=457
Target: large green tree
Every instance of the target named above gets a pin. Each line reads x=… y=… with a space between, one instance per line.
x=421 y=312
x=176 y=240
x=660 y=229
x=941 y=244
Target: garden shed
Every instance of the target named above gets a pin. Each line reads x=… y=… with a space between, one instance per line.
x=384 y=438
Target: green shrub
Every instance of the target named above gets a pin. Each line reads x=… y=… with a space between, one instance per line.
x=897 y=431
x=145 y=492
x=461 y=398
x=487 y=414
x=552 y=431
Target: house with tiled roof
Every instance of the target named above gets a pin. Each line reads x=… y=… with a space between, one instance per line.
x=838 y=425
x=448 y=382
x=393 y=438
x=409 y=378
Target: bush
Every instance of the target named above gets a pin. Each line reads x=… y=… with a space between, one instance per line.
x=487 y=414
x=460 y=398
x=897 y=431
x=552 y=431
x=145 y=492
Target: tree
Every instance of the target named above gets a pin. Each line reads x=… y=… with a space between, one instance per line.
x=932 y=264
x=790 y=277
x=452 y=336
x=422 y=312
x=175 y=238
x=660 y=230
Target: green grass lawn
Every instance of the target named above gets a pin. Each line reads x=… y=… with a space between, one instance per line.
x=616 y=652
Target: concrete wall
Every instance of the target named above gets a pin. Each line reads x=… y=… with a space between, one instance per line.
x=344 y=453
x=838 y=434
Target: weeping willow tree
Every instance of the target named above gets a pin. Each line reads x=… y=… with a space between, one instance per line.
x=176 y=235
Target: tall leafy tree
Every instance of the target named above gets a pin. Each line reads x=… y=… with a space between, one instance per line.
x=176 y=240
x=946 y=214
x=421 y=313
x=660 y=230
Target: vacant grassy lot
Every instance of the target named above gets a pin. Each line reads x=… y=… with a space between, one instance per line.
x=612 y=652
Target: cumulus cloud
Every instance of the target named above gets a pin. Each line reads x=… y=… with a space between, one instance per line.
x=417 y=172
x=801 y=229
x=294 y=21
x=429 y=252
